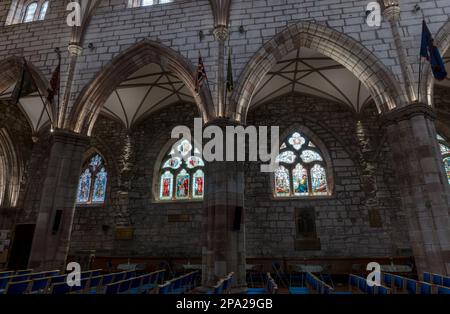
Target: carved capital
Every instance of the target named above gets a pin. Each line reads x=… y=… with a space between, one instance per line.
x=221 y=33
x=392 y=13
x=407 y=112
x=74 y=50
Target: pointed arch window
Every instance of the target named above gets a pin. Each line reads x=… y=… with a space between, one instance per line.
x=445 y=151
x=302 y=169
x=30 y=12
x=182 y=175
x=93 y=182
x=43 y=11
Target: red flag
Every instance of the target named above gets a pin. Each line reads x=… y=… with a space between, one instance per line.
x=54 y=84
x=201 y=73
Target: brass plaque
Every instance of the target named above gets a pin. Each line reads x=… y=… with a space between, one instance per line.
x=180 y=218
x=124 y=233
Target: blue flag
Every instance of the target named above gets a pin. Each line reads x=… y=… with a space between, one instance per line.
x=429 y=51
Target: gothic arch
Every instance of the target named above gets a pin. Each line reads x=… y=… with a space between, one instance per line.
x=355 y=57
x=442 y=41
x=10 y=72
x=10 y=171
x=90 y=102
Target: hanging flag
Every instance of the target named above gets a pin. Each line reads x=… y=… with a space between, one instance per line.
x=25 y=86
x=429 y=51
x=230 y=83
x=54 y=83
x=201 y=73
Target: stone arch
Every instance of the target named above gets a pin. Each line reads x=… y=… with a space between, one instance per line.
x=354 y=56
x=442 y=41
x=90 y=102
x=10 y=170
x=10 y=72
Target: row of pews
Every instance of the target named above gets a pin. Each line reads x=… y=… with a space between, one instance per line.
x=359 y=284
x=91 y=282
x=270 y=287
x=431 y=284
x=223 y=286
x=180 y=285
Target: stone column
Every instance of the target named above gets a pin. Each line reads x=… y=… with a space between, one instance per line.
x=51 y=246
x=392 y=14
x=423 y=185
x=221 y=35
x=224 y=233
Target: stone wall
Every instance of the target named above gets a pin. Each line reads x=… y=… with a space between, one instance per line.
x=132 y=158
x=342 y=219
x=114 y=28
x=343 y=223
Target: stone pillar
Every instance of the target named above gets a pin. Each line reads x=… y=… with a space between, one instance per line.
x=423 y=185
x=221 y=35
x=224 y=234
x=392 y=14
x=50 y=247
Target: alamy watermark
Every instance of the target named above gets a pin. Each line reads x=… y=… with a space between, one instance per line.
x=373 y=14
x=230 y=146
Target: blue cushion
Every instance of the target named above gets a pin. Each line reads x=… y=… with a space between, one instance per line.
x=411 y=285
x=443 y=290
x=298 y=290
x=425 y=288
x=437 y=279
x=256 y=291
x=446 y=282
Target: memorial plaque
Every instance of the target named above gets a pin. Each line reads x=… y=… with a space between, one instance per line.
x=124 y=233
x=180 y=218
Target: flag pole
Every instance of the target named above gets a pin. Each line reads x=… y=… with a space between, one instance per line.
x=226 y=81
x=420 y=78
x=420 y=62
x=59 y=81
x=21 y=82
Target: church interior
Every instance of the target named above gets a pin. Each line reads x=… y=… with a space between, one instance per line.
x=93 y=181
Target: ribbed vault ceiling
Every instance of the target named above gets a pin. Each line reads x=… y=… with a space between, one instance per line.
x=307 y=71
x=148 y=89
x=31 y=106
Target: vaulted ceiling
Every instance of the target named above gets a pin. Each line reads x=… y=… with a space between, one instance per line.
x=145 y=91
x=309 y=72
x=32 y=107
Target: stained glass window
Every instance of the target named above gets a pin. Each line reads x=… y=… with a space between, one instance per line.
x=302 y=169
x=300 y=178
x=93 y=182
x=445 y=151
x=198 y=186
x=282 y=182
x=166 y=186
x=182 y=178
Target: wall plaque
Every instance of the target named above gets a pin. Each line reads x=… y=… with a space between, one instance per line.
x=179 y=218
x=124 y=233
